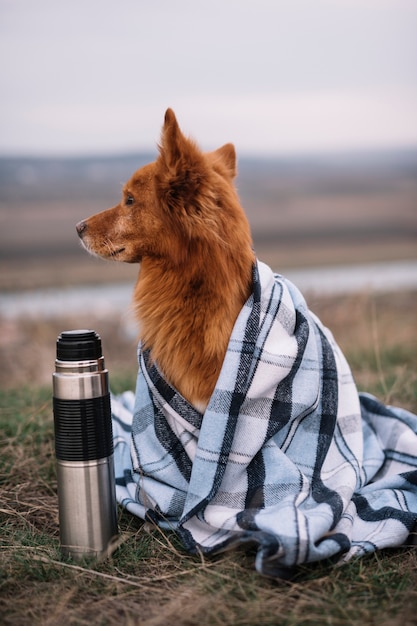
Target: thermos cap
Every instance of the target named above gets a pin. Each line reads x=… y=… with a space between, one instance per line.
x=78 y=345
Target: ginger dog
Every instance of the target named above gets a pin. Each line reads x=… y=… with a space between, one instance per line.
x=181 y=219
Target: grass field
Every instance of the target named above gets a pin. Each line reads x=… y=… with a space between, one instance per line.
x=149 y=580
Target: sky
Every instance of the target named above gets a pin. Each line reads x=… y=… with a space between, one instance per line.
x=271 y=76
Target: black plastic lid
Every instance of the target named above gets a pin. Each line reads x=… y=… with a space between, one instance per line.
x=78 y=345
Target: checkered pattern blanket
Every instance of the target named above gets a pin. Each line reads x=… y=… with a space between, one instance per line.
x=288 y=456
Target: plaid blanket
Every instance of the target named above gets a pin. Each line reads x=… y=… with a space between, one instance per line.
x=288 y=456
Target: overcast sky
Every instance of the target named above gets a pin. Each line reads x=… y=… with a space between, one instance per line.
x=272 y=76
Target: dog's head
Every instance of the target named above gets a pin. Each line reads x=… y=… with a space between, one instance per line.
x=182 y=202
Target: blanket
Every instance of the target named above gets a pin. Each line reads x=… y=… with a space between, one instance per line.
x=287 y=457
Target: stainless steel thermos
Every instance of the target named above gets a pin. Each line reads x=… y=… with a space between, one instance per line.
x=83 y=446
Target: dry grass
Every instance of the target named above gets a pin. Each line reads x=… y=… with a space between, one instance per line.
x=150 y=581
x=378 y=334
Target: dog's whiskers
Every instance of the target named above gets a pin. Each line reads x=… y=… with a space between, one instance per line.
x=108 y=244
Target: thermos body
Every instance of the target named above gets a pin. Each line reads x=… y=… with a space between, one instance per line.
x=83 y=447
x=87 y=507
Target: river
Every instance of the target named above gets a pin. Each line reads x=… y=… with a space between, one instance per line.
x=108 y=299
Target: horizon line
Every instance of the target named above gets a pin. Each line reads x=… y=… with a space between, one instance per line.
x=241 y=154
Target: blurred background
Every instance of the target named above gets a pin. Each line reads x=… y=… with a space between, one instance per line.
x=319 y=98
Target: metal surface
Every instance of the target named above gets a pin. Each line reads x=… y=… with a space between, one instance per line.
x=87 y=507
x=84 y=448
x=80 y=380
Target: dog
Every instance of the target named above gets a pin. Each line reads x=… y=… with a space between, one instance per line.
x=286 y=453
x=180 y=217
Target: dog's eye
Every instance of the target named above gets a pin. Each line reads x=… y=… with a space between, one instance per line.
x=129 y=200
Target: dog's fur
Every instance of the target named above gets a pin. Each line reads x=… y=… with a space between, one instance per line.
x=181 y=219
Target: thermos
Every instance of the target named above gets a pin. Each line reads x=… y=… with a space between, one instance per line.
x=83 y=447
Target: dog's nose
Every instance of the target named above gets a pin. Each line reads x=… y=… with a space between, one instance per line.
x=81 y=228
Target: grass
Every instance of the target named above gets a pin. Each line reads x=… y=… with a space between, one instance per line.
x=150 y=581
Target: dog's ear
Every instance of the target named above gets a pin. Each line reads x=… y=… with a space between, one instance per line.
x=181 y=168
x=175 y=150
x=227 y=155
x=171 y=140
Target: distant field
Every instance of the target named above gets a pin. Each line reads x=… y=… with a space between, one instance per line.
x=302 y=213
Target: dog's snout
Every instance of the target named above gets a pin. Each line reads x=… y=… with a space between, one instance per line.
x=81 y=228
